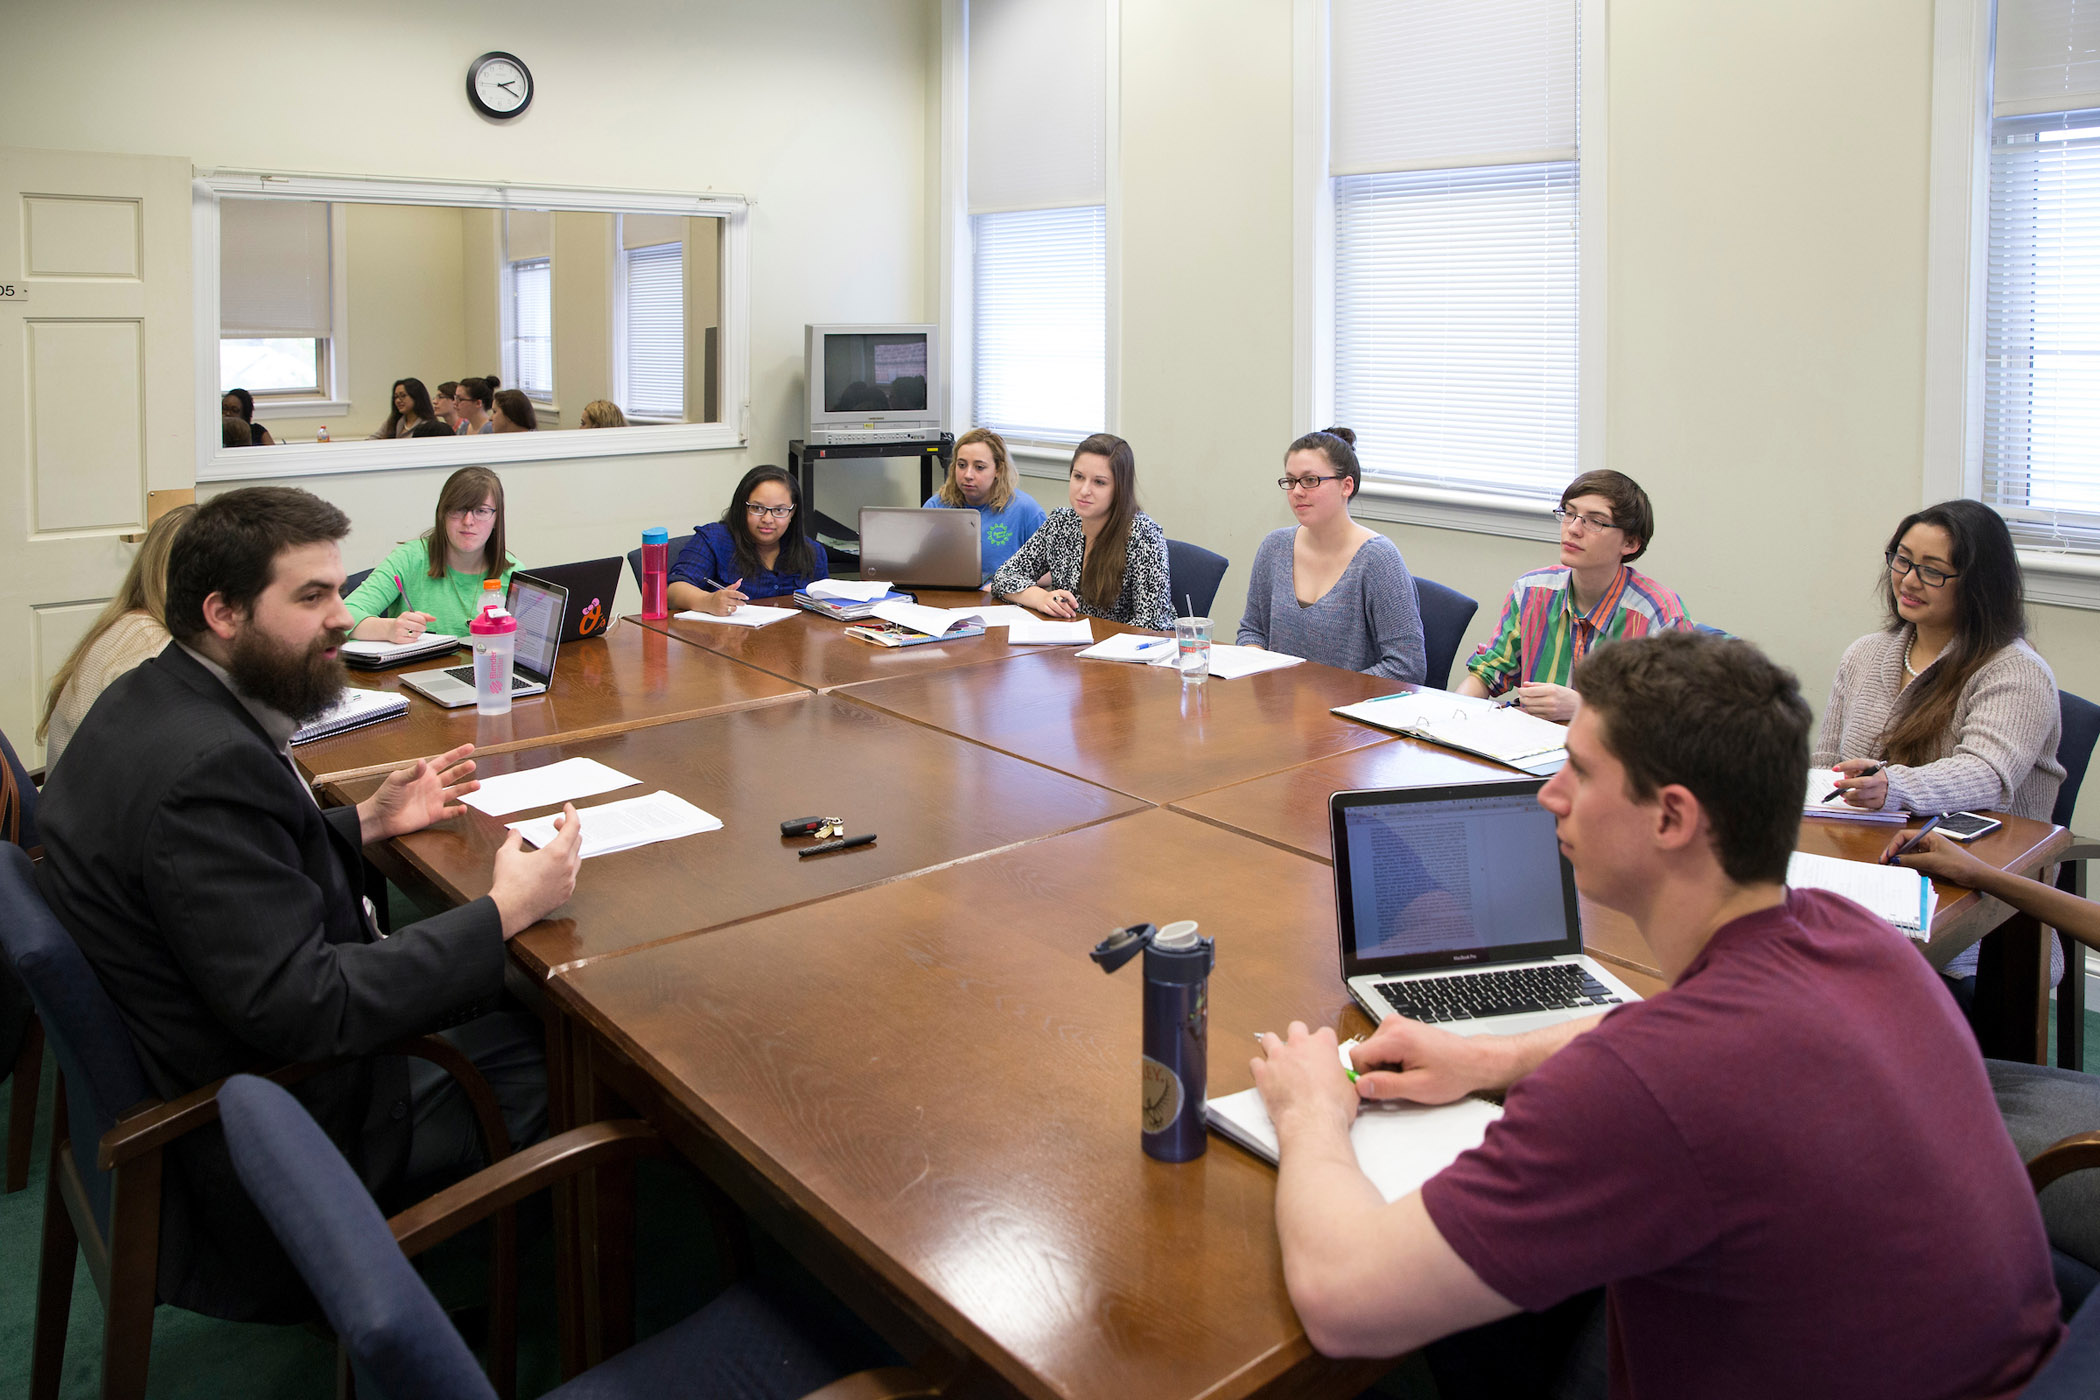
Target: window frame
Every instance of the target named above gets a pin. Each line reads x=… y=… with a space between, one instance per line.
x=1956 y=275
x=295 y=460
x=622 y=366
x=333 y=396
x=514 y=377
x=1312 y=401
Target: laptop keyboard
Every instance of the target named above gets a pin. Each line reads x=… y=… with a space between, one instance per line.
x=1472 y=995
x=466 y=673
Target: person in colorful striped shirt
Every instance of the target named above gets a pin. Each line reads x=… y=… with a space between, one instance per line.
x=1555 y=616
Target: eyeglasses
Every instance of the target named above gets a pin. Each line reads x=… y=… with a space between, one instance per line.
x=1568 y=517
x=769 y=512
x=1933 y=578
x=1303 y=483
x=483 y=514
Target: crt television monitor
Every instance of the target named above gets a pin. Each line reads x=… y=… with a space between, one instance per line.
x=873 y=382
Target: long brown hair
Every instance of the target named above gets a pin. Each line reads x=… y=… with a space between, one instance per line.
x=144 y=589
x=1990 y=615
x=1002 y=493
x=1101 y=577
x=463 y=490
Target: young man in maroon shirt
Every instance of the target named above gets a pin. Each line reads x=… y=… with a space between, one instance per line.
x=1786 y=1170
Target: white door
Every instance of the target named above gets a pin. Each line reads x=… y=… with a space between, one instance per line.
x=96 y=386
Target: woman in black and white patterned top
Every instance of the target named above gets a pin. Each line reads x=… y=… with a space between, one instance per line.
x=1100 y=556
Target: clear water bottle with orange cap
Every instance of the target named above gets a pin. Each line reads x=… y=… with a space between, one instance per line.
x=495 y=634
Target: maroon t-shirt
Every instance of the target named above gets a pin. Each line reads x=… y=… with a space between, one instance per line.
x=1789 y=1170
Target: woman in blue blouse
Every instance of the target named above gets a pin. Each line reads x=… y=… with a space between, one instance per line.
x=756 y=550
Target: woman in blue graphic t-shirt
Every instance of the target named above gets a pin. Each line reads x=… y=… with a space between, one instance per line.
x=981 y=478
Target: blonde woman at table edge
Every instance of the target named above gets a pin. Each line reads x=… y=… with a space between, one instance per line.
x=1947 y=708
x=1100 y=556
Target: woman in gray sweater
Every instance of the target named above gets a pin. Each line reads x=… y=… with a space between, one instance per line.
x=1327 y=589
x=1947 y=708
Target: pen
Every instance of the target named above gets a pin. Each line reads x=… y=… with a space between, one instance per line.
x=1911 y=845
x=1345 y=1050
x=1510 y=699
x=1866 y=772
x=844 y=843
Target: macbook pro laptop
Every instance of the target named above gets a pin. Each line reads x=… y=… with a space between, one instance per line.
x=538 y=607
x=930 y=548
x=590 y=586
x=1457 y=908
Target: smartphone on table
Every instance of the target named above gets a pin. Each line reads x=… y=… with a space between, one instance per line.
x=1967 y=826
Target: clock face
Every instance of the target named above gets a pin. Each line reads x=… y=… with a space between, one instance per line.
x=499 y=85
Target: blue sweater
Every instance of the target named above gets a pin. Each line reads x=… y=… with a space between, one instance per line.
x=711 y=554
x=1004 y=530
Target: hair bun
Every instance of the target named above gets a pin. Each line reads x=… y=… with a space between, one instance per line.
x=493 y=382
x=1347 y=435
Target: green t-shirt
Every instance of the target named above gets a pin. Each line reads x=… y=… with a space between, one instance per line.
x=451 y=601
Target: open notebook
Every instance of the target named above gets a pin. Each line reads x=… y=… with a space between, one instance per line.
x=1896 y=892
x=1470 y=725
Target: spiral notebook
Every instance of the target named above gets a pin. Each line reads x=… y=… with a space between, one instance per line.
x=355 y=709
x=1470 y=725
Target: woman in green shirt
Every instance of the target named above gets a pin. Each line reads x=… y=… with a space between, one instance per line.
x=434 y=583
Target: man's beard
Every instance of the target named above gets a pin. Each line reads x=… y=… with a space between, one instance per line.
x=300 y=684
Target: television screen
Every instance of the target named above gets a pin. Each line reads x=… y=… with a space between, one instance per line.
x=874 y=372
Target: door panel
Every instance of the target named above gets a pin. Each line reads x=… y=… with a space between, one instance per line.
x=96 y=390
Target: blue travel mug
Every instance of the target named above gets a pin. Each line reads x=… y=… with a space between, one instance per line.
x=1174 y=1073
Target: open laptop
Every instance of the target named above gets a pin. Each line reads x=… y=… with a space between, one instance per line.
x=1457 y=908
x=590 y=586
x=930 y=548
x=538 y=607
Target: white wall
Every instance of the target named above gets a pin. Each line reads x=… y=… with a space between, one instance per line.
x=815 y=109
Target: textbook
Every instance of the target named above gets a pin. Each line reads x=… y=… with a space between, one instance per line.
x=1398 y=1145
x=1821 y=781
x=376 y=656
x=1470 y=725
x=848 y=602
x=911 y=625
x=356 y=708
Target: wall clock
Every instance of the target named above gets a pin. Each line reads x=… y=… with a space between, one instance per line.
x=499 y=85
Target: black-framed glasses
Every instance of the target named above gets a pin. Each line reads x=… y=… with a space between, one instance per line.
x=1308 y=483
x=482 y=513
x=1588 y=522
x=769 y=512
x=1933 y=578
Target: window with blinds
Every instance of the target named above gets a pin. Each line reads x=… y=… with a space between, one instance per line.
x=275 y=314
x=653 y=345
x=532 y=322
x=1037 y=198
x=1455 y=172
x=2041 y=340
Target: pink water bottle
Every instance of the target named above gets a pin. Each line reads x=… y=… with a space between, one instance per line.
x=656 y=572
x=495 y=634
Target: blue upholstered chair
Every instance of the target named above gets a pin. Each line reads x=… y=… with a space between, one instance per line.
x=1446 y=613
x=1193 y=576
x=102 y=1195
x=2074 y=750
x=634 y=556
x=2074 y=1372
x=21 y=1036
x=350 y=584
x=740 y=1346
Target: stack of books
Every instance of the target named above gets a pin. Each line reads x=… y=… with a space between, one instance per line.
x=848 y=600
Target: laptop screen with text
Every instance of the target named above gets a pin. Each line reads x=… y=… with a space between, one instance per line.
x=1469 y=875
x=538 y=610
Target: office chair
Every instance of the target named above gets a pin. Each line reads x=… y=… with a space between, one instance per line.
x=1193 y=576
x=350 y=584
x=2073 y=1373
x=2074 y=750
x=402 y=1347
x=106 y=1204
x=1446 y=613
x=21 y=1034
x=634 y=557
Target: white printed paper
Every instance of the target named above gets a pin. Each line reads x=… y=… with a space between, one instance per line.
x=848 y=589
x=1129 y=646
x=746 y=615
x=934 y=622
x=622 y=826
x=1229 y=662
x=1038 y=631
x=1399 y=1146
x=999 y=614
x=556 y=783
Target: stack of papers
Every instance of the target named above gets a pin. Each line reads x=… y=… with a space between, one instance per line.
x=622 y=826
x=1398 y=1145
x=546 y=787
x=1896 y=892
x=1470 y=725
x=849 y=589
x=1229 y=662
x=747 y=615
x=1034 y=631
x=373 y=656
x=1821 y=781
x=1129 y=646
x=934 y=622
x=1001 y=614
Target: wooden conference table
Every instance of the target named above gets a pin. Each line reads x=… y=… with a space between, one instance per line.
x=900 y=1058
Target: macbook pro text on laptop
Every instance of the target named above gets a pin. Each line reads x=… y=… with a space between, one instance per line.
x=539 y=608
x=1457 y=908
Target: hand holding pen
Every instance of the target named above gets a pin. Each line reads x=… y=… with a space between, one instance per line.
x=1862 y=783
x=725 y=599
x=1895 y=852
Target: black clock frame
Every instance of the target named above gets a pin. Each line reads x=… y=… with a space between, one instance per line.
x=474 y=96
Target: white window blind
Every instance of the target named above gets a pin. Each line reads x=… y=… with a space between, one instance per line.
x=532 y=321
x=2047 y=57
x=273 y=269
x=1042 y=322
x=1456 y=179
x=655 y=330
x=1037 y=196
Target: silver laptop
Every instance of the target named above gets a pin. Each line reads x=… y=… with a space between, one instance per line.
x=930 y=548
x=1457 y=908
x=538 y=606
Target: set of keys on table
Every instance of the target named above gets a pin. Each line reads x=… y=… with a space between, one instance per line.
x=829 y=831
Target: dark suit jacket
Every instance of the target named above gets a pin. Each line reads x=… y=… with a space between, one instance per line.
x=223 y=911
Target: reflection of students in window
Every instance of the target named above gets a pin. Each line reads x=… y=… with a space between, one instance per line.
x=1416 y=914
x=861 y=397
